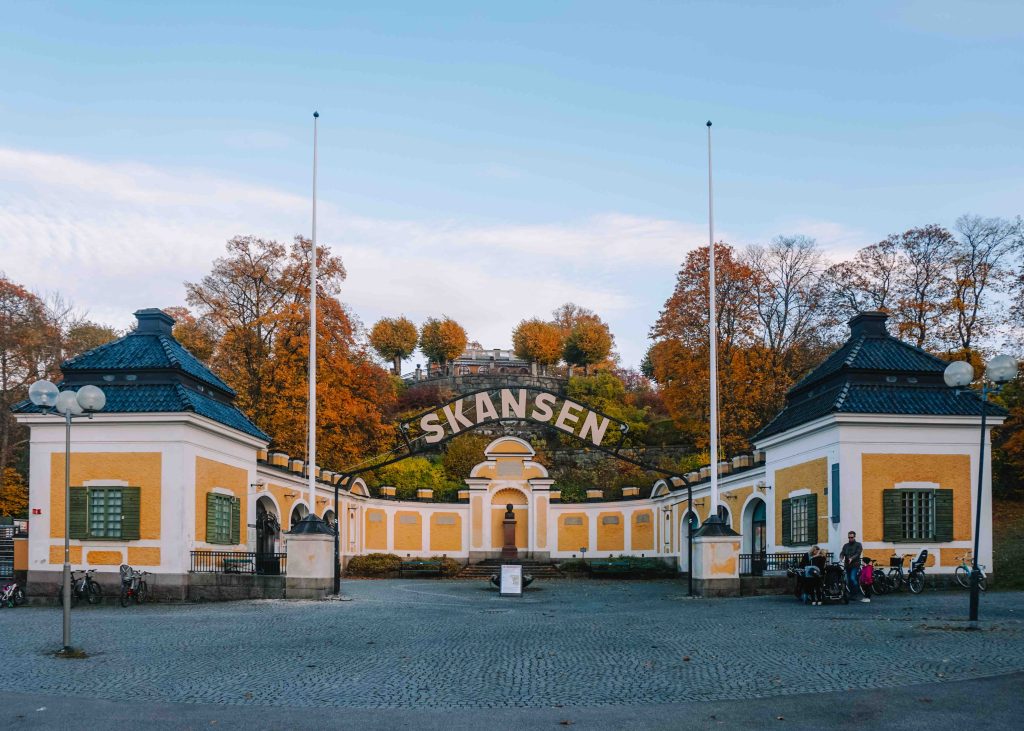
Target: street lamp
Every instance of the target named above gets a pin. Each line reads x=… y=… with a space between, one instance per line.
x=86 y=400
x=959 y=374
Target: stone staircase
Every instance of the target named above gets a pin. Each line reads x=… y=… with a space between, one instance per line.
x=488 y=567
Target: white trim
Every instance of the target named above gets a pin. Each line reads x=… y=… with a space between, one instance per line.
x=917 y=486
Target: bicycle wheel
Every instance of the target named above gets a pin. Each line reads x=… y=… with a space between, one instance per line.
x=126 y=596
x=963 y=577
x=915 y=583
x=896 y=580
x=94 y=593
x=141 y=593
x=19 y=597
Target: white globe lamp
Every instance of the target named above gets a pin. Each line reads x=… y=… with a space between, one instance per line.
x=43 y=394
x=91 y=398
x=958 y=374
x=1001 y=369
x=67 y=403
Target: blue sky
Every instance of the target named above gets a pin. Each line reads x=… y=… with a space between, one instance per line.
x=490 y=161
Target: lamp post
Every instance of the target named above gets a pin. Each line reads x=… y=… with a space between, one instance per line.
x=959 y=374
x=85 y=401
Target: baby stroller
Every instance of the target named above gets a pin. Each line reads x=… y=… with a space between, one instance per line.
x=834 y=588
x=808 y=582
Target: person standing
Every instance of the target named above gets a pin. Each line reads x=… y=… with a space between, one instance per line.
x=851 y=555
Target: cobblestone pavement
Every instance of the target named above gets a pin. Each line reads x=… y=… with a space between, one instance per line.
x=454 y=644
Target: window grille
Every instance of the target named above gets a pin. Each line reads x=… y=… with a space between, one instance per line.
x=105 y=508
x=918 y=514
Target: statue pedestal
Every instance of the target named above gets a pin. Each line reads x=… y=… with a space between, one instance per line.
x=716 y=560
x=310 y=572
x=508 y=527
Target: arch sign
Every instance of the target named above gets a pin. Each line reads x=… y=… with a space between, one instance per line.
x=489 y=406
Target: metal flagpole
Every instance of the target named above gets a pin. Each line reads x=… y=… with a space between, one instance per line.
x=713 y=340
x=312 y=340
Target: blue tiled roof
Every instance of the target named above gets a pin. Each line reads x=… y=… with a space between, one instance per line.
x=151 y=398
x=875 y=373
x=142 y=351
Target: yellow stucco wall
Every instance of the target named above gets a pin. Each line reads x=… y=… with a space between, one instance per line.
x=572 y=537
x=138 y=469
x=210 y=474
x=476 y=510
x=375 y=533
x=811 y=475
x=143 y=556
x=642 y=534
x=734 y=500
x=882 y=471
x=104 y=558
x=285 y=497
x=57 y=554
x=446 y=537
x=20 y=554
x=408 y=531
x=541 y=506
x=611 y=537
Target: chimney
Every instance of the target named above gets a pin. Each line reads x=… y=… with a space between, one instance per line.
x=154 y=321
x=869 y=324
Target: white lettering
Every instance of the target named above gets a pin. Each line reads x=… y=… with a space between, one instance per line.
x=513 y=406
x=567 y=415
x=484 y=408
x=434 y=430
x=542 y=407
x=456 y=418
x=591 y=426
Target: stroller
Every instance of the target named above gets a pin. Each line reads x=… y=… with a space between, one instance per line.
x=808 y=582
x=834 y=587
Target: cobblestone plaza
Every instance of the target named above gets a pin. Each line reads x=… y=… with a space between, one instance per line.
x=453 y=644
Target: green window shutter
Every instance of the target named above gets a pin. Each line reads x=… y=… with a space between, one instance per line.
x=892 y=522
x=236 y=519
x=79 y=510
x=212 y=535
x=812 y=518
x=787 y=522
x=943 y=515
x=834 y=492
x=130 y=504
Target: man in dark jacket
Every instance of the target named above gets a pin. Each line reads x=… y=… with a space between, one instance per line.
x=851 y=555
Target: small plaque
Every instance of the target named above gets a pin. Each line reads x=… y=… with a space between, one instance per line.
x=511 y=580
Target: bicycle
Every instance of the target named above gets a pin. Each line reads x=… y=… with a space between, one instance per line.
x=963 y=573
x=914 y=581
x=12 y=596
x=84 y=587
x=133 y=586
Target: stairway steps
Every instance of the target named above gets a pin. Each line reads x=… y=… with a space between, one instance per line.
x=488 y=567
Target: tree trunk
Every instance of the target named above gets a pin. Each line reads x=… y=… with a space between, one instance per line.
x=398 y=365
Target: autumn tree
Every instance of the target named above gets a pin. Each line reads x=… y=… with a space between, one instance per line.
x=589 y=342
x=394 y=339
x=462 y=454
x=13 y=493
x=923 y=284
x=538 y=342
x=865 y=283
x=442 y=340
x=197 y=335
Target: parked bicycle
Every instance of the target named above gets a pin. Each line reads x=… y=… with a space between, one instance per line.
x=914 y=580
x=963 y=573
x=83 y=587
x=12 y=596
x=133 y=586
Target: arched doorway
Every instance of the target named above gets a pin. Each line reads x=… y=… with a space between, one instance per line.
x=268 y=530
x=688 y=524
x=331 y=519
x=755 y=534
x=299 y=512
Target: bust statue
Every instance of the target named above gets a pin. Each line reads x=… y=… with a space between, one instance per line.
x=509 y=513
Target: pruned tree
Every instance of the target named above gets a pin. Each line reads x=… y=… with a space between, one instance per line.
x=589 y=342
x=442 y=340
x=538 y=342
x=394 y=339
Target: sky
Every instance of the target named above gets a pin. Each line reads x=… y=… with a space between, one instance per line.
x=490 y=161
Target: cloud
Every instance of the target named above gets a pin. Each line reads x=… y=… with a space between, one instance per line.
x=114 y=237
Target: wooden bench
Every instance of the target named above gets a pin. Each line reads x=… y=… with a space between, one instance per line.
x=421 y=568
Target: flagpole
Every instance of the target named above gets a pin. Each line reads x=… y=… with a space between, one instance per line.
x=312 y=339
x=713 y=339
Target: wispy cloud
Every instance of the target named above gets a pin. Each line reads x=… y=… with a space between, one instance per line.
x=116 y=237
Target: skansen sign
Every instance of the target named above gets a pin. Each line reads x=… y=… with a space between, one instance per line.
x=510 y=405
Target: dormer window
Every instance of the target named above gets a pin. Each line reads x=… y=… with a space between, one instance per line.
x=108 y=379
x=131 y=377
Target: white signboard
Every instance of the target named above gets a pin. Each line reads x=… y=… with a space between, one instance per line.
x=511 y=580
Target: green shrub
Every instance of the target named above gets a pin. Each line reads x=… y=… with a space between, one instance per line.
x=449 y=566
x=574 y=566
x=373 y=564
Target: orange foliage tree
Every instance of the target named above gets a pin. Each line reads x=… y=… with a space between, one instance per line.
x=394 y=339
x=442 y=340
x=538 y=341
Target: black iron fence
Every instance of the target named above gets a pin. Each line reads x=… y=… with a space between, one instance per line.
x=238 y=562
x=759 y=564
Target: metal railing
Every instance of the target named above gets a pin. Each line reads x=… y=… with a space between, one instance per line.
x=7 y=551
x=759 y=564
x=238 y=562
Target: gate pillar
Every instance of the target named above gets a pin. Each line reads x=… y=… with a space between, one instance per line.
x=716 y=560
